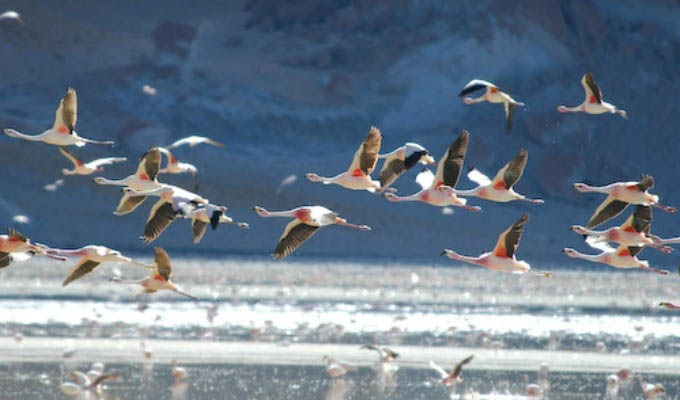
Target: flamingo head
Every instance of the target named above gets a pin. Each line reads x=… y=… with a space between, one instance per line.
x=562 y=109
x=569 y=251
x=427 y=160
x=313 y=177
x=579 y=229
x=261 y=211
x=468 y=100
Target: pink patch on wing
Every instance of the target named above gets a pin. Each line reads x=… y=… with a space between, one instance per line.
x=499 y=185
x=493 y=90
x=158 y=277
x=624 y=253
x=144 y=177
x=632 y=187
x=357 y=172
x=501 y=252
x=63 y=130
x=629 y=229
x=302 y=215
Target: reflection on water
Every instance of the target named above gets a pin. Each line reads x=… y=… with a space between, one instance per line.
x=30 y=381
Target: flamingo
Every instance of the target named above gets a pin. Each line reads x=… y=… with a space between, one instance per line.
x=385 y=354
x=401 y=160
x=651 y=390
x=636 y=231
x=337 y=368
x=14 y=246
x=193 y=141
x=174 y=166
x=438 y=189
x=593 y=104
x=619 y=195
x=210 y=215
x=450 y=378
x=533 y=390
x=160 y=278
x=493 y=95
x=173 y=201
x=87 y=168
x=143 y=179
x=85 y=387
x=11 y=15
x=502 y=258
x=669 y=306
x=91 y=257
x=624 y=257
x=358 y=176
x=180 y=384
x=500 y=189
x=63 y=131
x=307 y=220
x=612 y=389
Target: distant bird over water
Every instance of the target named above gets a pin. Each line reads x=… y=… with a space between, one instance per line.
x=502 y=258
x=594 y=103
x=493 y=94
x=307 y=220
x=619 y=195
x=210 y=215
x=15 y=246
x=9 y=15
x=91 y=257
x=624 y=257
x=160 y=278
x=358 y=176
x=91 y=167
x=450 y=378
x=174 y=166
x=385 y=354
x=63 y=131
x=501 y=188
x=194 y=141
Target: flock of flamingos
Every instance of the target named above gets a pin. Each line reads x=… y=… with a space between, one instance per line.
x=438 y=189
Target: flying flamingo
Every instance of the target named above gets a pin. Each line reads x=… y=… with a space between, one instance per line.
x=622 y=257
x=173 y=201
x=307 y=220
x=450 y=378
x=87 y=168
x=636 y=231
x=15 y=246
x=174 y=166
x=500 y=189
x=193 y=141
x=210 y=215
x=160 y=278
x=669 y=306
x=358 y=176
x=438 y=189
x=593 y=104
x=86 y=387
x=337 y=368
x=651 y=390
x=401 y=160
x=91 y=257
x=619 y=195
x=385 y=354
x=143 y=179
x=63 y=131
x=493 y=95
x=502 y=258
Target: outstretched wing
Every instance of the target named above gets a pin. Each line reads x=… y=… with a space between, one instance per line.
x=163 y=265
x=439 y=369
x=15 y=234
x=512 y=171
x=366 y=156
x=149 y=164
x=508 y=241
x=198 y=227
x=646 y=183
x=392 y=168
x=160 y=217
x=70 y=156
x=294 y=235
x=593 y=92
x=474 y=85
x=106 y=161
x=425 y=179
x=609 y=209
x=128 y=203
x=640 y=220
x=84 y=267
x=459 y=367
x=193 y=141
x=67 y=113
x=479 y=178
x=451 y=164
x=5 y=259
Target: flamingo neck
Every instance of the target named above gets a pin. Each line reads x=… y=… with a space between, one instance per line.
x=481 y=260
x=588 y=257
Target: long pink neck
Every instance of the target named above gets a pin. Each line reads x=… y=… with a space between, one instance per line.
x=481 y=260
x=70 y=253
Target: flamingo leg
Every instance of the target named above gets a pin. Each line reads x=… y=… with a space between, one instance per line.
x=342 y=222
x=655 y=270
x=666 y=208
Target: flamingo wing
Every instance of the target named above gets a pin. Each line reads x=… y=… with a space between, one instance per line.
x=5 y=259
x=198 y=228
x=642 y=219
x=163 y=265
x=634 y=250
x=392 y=168
x=366 y=156
x=84 y=267
x=70 y=156
x=128 y=203
x=474 y=85
x=455 y=372
x=293 y=236
x=508 y=241
x=478 y=177
x=105 y=161
x=67 y=113
x=161 y=216
x=510 y=174
x=609 y=209
x=451 y=164
x=646 y=183
x=149 y=164
x=15 y=234
x=593 y=92
x=425 y=179
x=439 y=369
